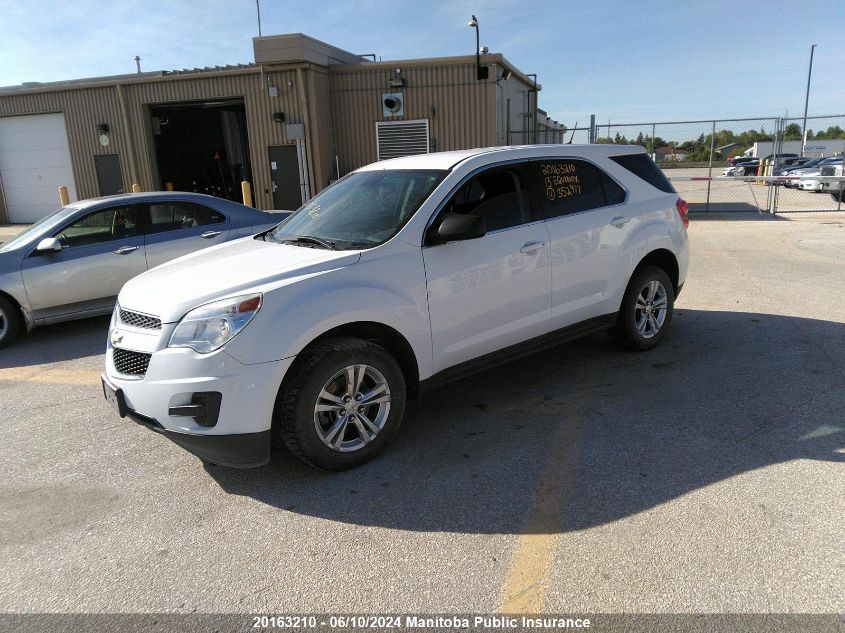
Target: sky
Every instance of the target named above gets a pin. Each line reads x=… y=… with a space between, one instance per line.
x=624 y=61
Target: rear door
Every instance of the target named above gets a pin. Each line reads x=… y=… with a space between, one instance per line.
x=588 y=225
x=176 y=228
x=489 y=293
x=101 y=251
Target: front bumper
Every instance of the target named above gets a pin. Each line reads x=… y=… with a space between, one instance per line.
x=162 y=398
x=238 y=450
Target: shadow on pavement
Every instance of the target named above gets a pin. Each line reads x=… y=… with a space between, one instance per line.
x=56 y=343
x=603 y=434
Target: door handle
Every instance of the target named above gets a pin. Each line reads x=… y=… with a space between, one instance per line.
x=529 y=248
x=125 y=250
x=620 y=221
x=209 y=234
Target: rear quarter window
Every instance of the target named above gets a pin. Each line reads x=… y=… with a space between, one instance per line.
x=643 y=167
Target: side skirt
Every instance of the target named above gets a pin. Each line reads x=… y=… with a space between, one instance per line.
x=520 y=350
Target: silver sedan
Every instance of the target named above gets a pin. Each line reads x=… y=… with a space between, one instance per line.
x=73 y=263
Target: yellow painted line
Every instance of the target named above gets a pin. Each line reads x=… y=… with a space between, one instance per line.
x=523 y=591
x=56 y=376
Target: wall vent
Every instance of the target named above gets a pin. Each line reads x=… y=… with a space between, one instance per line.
x=401 y=138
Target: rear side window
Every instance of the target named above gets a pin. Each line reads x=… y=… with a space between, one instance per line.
x=170 y=216
x=641 y=165
x=569 y=186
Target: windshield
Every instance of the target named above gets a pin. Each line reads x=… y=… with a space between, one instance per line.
x=362 y=210
x=44 y=225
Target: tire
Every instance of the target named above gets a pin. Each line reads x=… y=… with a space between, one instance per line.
x=347 y=431
x=839 y=196
x=634 y=329
x=10 y=321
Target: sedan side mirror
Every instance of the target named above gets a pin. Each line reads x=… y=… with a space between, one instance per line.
x=459 y=226
x=49 y=245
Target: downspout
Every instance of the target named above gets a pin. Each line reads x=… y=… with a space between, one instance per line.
x=130 y=143
x=309 y=149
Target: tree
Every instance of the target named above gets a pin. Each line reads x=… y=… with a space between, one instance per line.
x=792 y=132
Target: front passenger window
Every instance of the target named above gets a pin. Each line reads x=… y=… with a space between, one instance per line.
x=101 y=226
x=497 y=195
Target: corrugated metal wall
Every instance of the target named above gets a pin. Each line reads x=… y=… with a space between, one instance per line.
x=262 y=130
x=83 y=110
x=341 y=104
x=461 y=110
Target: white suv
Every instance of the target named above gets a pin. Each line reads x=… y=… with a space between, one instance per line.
x=401 y=275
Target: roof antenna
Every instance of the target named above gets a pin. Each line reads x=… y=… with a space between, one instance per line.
x=258 y=10
x=138 y=64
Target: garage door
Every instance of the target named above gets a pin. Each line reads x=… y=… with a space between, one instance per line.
x=34 y=163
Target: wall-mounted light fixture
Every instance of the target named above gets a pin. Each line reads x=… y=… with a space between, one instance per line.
x=279 y=117
x=103 y=134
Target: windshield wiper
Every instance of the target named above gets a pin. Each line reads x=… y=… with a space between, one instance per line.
x=307 y=239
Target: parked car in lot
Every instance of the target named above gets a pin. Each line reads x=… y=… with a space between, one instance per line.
x=834 y=187
x=72 y=263
x=750 y=167
x=403 y=274
x=810 y=178
x=796 y=169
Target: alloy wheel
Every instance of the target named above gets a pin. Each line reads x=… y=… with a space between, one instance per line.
x=352 y=408
x=650 y=309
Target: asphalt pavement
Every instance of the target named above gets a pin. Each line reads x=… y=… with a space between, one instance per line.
x=706 y=476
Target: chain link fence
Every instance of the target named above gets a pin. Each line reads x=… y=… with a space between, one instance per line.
x=700 y=159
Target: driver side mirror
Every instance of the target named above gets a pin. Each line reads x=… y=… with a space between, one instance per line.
x=49 y=245
x=455 y=227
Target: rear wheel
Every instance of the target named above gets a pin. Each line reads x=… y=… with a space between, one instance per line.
x=646 y=310
x=10 y=321
x=343 y=404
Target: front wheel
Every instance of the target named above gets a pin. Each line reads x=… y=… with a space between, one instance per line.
x=10 y=321
x=343 y=403
x=839 y=196
x=646 y=310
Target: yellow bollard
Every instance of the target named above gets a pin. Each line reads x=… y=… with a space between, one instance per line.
x=136 y=188
x=64 y=199
x=168 y=186
x=246 y=189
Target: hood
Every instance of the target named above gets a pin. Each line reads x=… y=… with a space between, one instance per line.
x=238 y=267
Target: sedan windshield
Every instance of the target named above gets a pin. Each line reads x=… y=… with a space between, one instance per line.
x=44 y=225
x=362 y=210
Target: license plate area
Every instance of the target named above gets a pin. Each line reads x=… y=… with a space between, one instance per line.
x=114 y=396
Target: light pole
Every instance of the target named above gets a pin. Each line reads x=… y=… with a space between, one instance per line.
x=480 y=73
x=807 y=99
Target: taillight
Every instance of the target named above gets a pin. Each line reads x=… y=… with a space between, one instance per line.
x=683 y=211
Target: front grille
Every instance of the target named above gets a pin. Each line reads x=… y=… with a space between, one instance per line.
x=828 y=170
x=129 y=362
x=136 y=319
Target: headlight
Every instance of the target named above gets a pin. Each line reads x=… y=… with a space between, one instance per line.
x=211 y=326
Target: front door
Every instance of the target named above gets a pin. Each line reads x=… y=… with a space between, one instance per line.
x=100 y=252
x=489 y=293
x=109 y=177
x=284 y=174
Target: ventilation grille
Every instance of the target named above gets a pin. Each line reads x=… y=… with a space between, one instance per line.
x=401 y=138
x=136 y=319
x=828 y=170
x=129 y=362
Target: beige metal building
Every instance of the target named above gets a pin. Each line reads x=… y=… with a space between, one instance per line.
x=303 y=114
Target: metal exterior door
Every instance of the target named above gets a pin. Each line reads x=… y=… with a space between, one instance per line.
x=109 y=176
x=284 y=174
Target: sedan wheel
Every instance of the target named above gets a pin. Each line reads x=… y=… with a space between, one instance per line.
x=9 y=321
